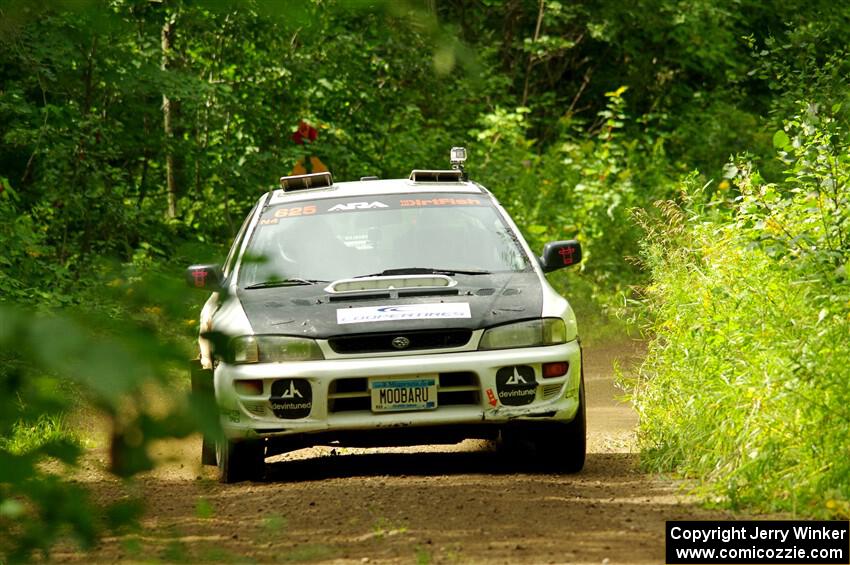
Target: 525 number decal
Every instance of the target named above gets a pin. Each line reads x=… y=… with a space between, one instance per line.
x=295 y=211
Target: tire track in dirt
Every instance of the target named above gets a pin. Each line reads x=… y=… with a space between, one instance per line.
x=429 y=504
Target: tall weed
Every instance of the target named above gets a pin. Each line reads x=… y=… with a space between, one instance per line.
x=744 y=387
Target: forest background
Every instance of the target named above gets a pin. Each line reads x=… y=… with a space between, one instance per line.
x=698 y=150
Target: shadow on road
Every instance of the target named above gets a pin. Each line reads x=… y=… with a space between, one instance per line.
x=486 y=461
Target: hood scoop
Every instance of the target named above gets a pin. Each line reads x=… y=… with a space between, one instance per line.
x=315 y=312
x=394 y=282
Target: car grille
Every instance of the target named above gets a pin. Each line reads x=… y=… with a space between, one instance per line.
x=381 y=342
x=454 y=389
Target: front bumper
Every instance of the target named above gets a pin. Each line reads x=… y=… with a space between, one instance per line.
x=469 y=390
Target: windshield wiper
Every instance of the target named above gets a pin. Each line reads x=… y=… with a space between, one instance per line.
x=287 y=282
x=423 y=271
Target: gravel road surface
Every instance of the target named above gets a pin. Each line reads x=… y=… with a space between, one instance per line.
x=431 y=504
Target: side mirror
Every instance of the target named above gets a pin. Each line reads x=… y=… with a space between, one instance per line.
x=560 y=254
x=207 y=277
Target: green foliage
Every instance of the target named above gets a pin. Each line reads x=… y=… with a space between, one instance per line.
x=84 y=143
x=31 y=436
x=744 y=386
x=53 y=362
x=203 y=509
x=423 y=556
x=574 y=113
x=581 y=187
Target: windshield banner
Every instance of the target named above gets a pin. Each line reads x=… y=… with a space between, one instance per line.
x=274 y=214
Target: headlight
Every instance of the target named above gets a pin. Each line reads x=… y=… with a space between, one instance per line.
x=546 y=331
x=273 y=348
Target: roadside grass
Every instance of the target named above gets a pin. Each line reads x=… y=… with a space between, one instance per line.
x=275 y=523
x=744 y=386
x=30 y=435
x=423 y=556
x=204 y=509
x=384 y=527
x=172 y=549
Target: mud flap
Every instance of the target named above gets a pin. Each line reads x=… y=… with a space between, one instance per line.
x=202 y=384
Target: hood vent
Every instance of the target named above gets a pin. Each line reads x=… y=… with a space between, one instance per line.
x=372 y=284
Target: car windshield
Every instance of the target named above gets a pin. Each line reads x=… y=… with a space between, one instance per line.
x=331 y=239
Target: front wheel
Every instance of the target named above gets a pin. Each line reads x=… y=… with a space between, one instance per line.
x=202 y=386
x=240 y=461
x=208 y=452
x=564 y=446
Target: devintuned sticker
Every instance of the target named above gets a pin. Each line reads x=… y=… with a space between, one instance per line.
x=291 y=398
x=403 y=312
x=516 y=386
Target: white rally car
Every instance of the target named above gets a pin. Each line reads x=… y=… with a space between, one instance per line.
x=387 y=312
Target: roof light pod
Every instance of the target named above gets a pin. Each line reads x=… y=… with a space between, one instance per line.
x=419 y=175
x=303 y=182
x=457 y=157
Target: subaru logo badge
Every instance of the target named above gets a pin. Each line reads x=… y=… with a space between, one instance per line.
x=401 y=342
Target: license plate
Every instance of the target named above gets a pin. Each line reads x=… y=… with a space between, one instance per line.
x=405 y=393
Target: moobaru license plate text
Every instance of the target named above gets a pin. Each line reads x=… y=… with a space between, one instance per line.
x=404 y=394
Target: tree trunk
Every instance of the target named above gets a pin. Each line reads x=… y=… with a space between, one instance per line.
x=167 y=116
x=530 y=65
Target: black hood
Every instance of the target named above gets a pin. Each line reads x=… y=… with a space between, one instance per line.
x=310 y=311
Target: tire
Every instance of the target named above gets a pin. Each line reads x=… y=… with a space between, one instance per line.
x=563 y=447
x=202 y=385
x=549 y=446
x=208 y=456
x=240 y=461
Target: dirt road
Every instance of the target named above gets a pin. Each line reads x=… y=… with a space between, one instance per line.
x=435 y=504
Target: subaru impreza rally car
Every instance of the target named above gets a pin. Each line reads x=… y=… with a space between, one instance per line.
x=387 y=312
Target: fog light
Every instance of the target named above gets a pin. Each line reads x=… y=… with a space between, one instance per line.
x=558 y=369
x=253 y=387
